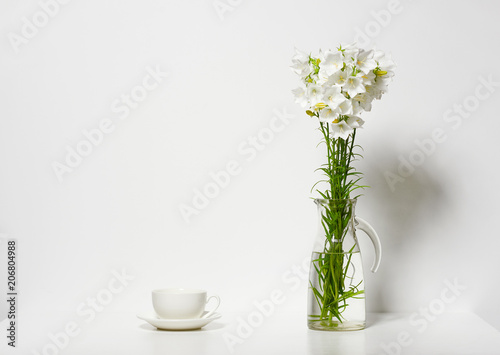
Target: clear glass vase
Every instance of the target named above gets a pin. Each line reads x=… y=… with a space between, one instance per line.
x=336 y=297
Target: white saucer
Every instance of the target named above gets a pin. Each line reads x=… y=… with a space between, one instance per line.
x=177 y=324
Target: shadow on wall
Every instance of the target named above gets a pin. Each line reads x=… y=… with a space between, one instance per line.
x=401 y=212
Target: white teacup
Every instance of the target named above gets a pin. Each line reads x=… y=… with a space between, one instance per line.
x=182 y=303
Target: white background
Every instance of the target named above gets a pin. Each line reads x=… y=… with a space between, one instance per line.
x=228 y=74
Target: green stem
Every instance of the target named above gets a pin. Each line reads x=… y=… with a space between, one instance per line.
x=332 y=294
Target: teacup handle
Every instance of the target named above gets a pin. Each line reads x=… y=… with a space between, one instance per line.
x=212 y=311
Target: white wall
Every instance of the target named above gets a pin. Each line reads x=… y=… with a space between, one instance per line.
x=119 y=208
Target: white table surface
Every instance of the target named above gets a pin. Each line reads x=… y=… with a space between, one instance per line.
x=280 y=333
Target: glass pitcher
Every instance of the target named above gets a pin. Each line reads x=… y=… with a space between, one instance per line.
x=336 y=296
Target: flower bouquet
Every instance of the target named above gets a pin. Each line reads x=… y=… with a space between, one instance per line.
x=337 y=86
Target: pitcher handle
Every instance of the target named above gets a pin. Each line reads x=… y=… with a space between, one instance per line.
x=365 y=227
